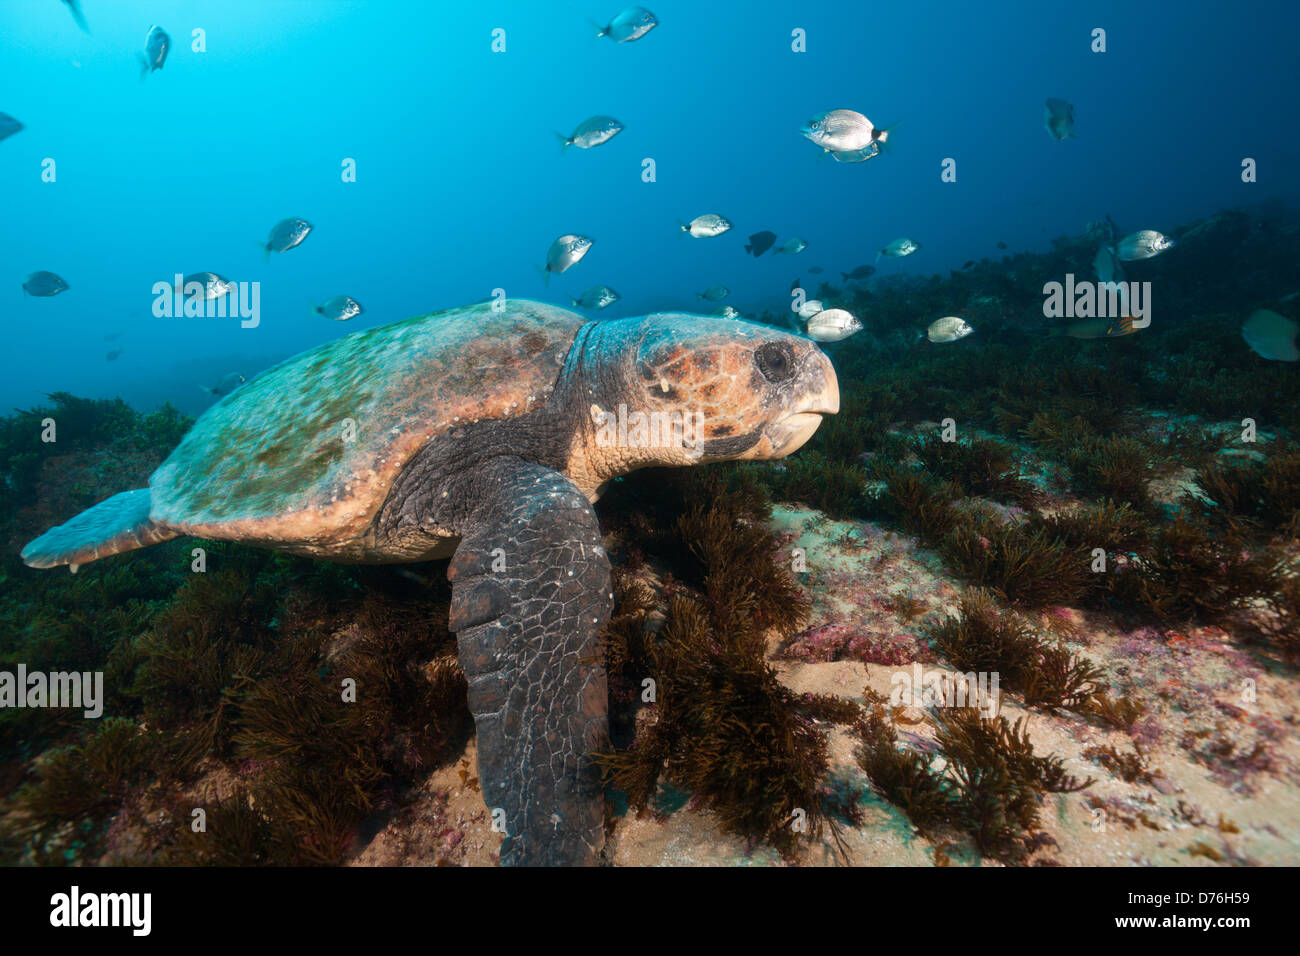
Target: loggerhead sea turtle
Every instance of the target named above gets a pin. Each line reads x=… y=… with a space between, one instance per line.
x=485 y=434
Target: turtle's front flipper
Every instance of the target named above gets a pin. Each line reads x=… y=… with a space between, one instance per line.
x=530 y=593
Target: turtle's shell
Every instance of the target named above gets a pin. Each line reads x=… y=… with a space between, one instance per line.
x=271 y=461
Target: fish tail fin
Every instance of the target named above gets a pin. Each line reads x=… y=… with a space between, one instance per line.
x=144 y=66
x=266 y=251
x=120 y=523
x=574 y=302
x=565 y=141
x=878 y=255
x=546 y=275
x=749 y=248
x=600 y=31
x=844 y=276
x=684 y=229
x=78 y=15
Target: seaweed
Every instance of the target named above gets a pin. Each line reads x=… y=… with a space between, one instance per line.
x=982 y=639
x=990 y=787
x=234 y=834
x=1129 y=767
x=1267 y=493
x=1112 y=526
x=919 y=503
x=1283 y=631
x=978 y=467
x=999 y=780
x=725 y=729
x=1188 y=571
x=902 y=776
x=1122 y=713
x=82 y=784
x=824 y=483
x=1024 y=565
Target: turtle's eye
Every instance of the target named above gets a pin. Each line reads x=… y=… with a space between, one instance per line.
x=775 y=360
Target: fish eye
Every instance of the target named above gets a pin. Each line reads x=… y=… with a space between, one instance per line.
x=816 y=124
x=775 y=360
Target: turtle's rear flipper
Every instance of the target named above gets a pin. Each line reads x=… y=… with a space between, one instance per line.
x=530 y=593
x=120 y=523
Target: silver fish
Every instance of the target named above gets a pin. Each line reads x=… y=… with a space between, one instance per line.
x=597 y=297
x=113 y=356
x=1108 y=267
x=856 y=155
x=1058 y=117
x=226 y=385
x=340 y=308
x=565 y=252
x=791 y=247
x=44 y=284
x=714 y=293
x=832 y=325
x=211 y=285
x=286 y=234
x=156 y=45
x=948 y=329
x=810 y=308
x=631 y=24
x=9 y=126
x=1142 y=244
x=899 y=248
x=592 y=132
x=1271 y=335
x=838 y=131
x=703 y=227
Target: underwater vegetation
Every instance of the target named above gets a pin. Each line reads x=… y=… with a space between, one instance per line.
x=720 y=725
x=983 y=638
x=990 y=785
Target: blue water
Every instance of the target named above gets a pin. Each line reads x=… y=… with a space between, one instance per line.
x=461 y=185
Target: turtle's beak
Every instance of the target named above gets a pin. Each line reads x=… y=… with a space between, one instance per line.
x=820 y=396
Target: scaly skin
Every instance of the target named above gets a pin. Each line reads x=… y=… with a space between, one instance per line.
x=530 y=594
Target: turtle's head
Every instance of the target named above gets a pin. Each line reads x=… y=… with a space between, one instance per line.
x=677 y=389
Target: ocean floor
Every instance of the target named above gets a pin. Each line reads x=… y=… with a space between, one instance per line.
x=1220 y=783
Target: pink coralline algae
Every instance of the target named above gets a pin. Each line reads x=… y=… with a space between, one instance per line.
x=839 y=640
